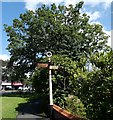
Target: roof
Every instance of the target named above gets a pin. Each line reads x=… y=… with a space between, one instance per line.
x=17 y=84
x=9 y=84
x=5 y=83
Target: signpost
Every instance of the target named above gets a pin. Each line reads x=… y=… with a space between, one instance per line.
x=50 y=67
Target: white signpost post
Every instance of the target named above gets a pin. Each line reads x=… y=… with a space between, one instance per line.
x=51 y=67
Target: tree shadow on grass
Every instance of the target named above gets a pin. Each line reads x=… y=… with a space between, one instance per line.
x=34 y=107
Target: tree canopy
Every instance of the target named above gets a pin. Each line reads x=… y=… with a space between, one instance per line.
x=61 y=30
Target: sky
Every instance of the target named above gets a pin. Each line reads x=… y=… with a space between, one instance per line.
x=100 y=11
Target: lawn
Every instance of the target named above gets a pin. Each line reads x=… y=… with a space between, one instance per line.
x=14 y=102
x=9 y=104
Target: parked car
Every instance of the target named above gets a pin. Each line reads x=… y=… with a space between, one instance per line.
x=22 y=88
x=25 y=88
x=8 y=88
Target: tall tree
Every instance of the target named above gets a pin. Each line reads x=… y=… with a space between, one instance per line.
x=61 y=30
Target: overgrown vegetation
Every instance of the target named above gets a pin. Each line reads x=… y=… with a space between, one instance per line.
x=75 y=43
x=75 y=106
x=96 y=91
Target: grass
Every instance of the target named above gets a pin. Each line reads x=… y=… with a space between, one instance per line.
x=14 y=102
x=9 y=104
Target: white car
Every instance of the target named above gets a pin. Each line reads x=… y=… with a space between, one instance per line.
x=9 y=87
x=23 y=88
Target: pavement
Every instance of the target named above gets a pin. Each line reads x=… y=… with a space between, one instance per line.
x=30 y=117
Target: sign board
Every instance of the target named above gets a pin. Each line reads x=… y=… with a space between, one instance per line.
x=42 y=65
x=53 y=67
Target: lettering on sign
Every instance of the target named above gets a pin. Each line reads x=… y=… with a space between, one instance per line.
x=53 y=67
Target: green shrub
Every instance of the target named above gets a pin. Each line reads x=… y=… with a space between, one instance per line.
x=75 y=106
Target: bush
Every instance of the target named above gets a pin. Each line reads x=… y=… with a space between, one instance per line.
x=75 y=106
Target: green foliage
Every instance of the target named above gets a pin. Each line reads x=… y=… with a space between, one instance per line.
x=96 y=90
x=75 y=106
x=61 y=30
x=4 y=70
x=64 y=80
x=40 y=82
x=68 y=34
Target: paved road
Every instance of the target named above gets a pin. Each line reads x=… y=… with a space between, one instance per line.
x=3 y=92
